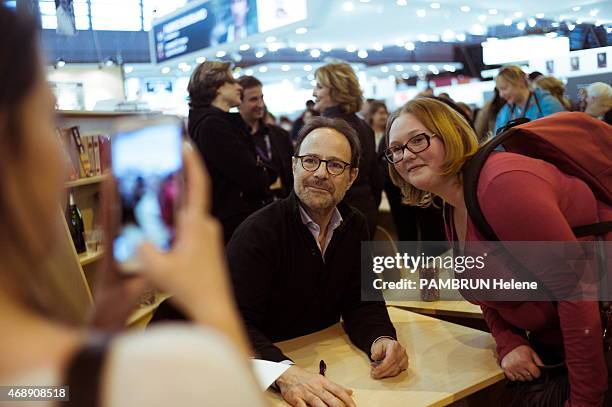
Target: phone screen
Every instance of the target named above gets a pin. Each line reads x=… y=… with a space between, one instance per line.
x=147 y=165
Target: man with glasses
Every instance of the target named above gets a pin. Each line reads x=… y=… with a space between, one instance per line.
x=295 y=267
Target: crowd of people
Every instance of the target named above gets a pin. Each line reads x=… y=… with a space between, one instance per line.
x=268 y=242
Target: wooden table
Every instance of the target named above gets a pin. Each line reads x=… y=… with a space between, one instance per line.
x=448 y=362
x=461 y=309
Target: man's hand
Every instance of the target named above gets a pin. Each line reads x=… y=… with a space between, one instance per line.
x=389 y=358
x=521 y=364
x=301 y=388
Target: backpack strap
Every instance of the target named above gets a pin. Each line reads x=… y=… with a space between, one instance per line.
x=594 y=229
x=84 y=373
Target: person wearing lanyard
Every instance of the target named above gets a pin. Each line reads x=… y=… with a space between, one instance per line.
x=521 y=100
x=272 y=143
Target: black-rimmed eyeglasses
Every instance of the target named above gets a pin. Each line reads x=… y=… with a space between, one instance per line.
x=415 y=145
x=311 y=163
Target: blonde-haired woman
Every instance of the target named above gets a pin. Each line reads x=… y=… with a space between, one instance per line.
x=555 y=87
x=429 y=145
x=338 y=95
x=598 y=100
x=41 y=344
x=522 y=101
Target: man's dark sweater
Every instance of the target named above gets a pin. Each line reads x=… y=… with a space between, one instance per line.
x=285 y=289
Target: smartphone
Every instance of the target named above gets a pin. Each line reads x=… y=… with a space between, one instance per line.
x=147 y=165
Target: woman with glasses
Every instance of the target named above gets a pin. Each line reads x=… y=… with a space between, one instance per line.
x=523 y=199
x=44 y=342
x=521 y=100
x=338 y=95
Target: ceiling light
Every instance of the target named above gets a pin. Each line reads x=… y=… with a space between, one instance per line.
x=109 y=62
x=399 y=68
x=556 y=25
x=348 y=6
x=518 y=14
x=326 y=48
x=384 y=69
x=315 y=53
x=363 y=54
x=128 y=69
x=571 y=27
x=460 y=37
x=449 y=68
x=270 y=39
x=409 y=46
x=274 y=47
x=493 y=11
x=416 y=68
x=532 y=22
x=249 y=72
x=391 y=78
x=540 y=15
x=300 y=47
x=465 y=9
x=448 y=35
x=301 y=30
x=285 y=68
x=377 y=46
x=551 y=35
x=259 y=54
x=220 y=54
x=507 y=22
x=244 y=47
x=521 y=26
x=435 y=6
x=351 y=48
x=401 y=2
x=308 y=68
x=580 y=21
x=60 y=63
x=165 y=70
x=421 y=13
x=431 y=67
x=482 y=18
x=200 y=60
x=593 y=12
x=405 y=75
x=478 y=29
x=576 y=8
x=263 y=69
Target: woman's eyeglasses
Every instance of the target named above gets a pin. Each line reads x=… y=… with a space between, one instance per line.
x=415 y=145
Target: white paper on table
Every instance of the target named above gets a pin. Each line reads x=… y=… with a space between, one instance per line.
x=267 y=372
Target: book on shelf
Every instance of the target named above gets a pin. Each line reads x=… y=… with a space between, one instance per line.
x=85 y=155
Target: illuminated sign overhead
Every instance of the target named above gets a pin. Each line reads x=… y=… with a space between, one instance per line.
x=217 y=22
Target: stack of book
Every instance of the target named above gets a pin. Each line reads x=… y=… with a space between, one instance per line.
x=85 y=156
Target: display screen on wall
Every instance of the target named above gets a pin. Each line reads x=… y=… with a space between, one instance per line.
x=218 y=22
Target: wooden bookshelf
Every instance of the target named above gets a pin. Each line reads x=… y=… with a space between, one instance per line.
x=79 y=271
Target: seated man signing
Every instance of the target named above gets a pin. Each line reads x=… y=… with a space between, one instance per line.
x=295 y=267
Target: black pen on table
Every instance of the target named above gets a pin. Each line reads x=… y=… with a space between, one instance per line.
x=322 y=367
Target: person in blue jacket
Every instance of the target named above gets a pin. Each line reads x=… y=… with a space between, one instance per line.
x=521 y=100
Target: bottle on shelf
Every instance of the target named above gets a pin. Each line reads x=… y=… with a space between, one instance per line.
x=75 y=225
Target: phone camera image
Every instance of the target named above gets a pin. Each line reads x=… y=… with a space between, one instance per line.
x=147 y=166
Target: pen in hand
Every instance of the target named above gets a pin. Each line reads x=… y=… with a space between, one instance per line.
x=322 y=367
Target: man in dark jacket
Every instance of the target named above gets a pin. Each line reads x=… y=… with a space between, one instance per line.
x=295 y=267
x=239 y=179
x=272 y=143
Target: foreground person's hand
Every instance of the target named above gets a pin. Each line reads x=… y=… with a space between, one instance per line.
x=521 y=364
x=194 y=270
x=301 y=388
x=390 y=358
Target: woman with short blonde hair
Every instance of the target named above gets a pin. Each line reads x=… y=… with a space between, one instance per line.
x=522 y=101
x=338 y=95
